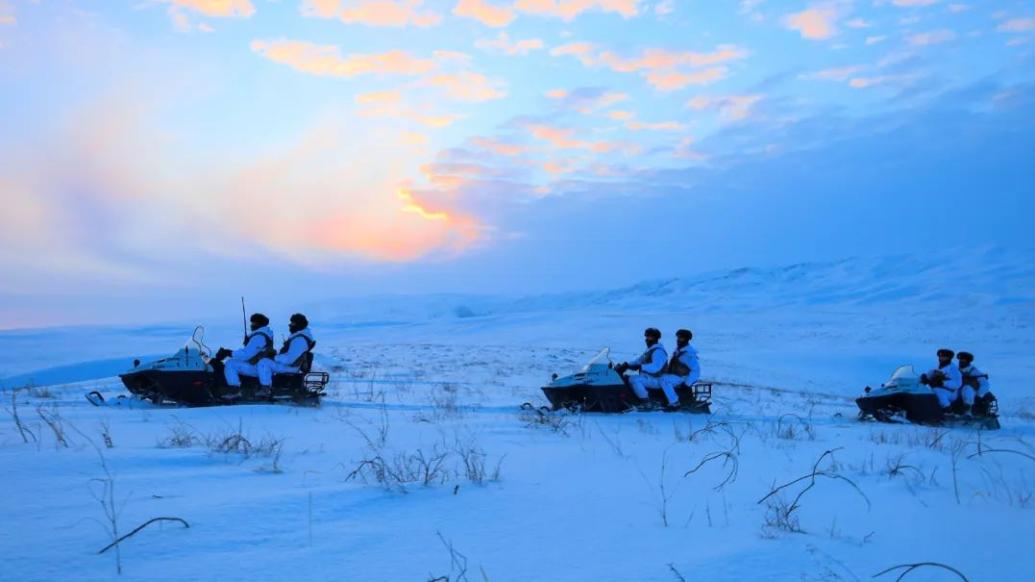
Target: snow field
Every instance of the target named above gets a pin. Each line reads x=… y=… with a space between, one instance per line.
x=576 y=497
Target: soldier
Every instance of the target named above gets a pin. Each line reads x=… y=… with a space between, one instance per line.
x=291 y=356
x=257 y=345
x=945 y=380
x=975 y=382
x=683 y=368
x=650 y=365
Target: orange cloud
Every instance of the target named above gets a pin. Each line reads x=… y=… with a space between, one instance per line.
x=503 y=43
x=218 y=8
x=674 y=80
x=564 y=139
x=327 y=60
x=816 y=23
x=393 y=104
x=7 y=17
x=467 y=86
x=498 y=147
x=382 y=13
x=634 y=125
x=665 y=70
x=487 y=14
x=570 y=9
x=656 y=59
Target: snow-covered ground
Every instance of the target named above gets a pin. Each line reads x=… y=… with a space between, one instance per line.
x=428 y=388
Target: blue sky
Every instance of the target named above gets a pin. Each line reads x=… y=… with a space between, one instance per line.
x=159 y=158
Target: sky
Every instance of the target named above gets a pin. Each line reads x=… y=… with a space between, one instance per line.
x=161 y=158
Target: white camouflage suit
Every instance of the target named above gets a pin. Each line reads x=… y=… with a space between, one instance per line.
x=238 y=364
x=651 y=363
x=688 y=357
x=284 y=363
x=950 y=386
x=968 y=392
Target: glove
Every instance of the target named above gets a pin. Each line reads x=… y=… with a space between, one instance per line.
x=223 y=353
x=635 y=367
x=924 y=379
x=621 y=368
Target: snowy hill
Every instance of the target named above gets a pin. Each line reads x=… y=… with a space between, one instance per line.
x=419 y=464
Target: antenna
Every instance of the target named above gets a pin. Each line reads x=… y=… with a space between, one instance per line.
x=244 y=320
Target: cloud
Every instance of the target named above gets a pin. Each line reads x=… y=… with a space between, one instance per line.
x=879 y=80
x=858 y=23
x=392 y=104
x=675 y=80
x=663 y=69
x=467 y=86
x=656 y=59
x=932 y=37
x=1017 y=25
x=587 y=99
x=379 y=13
x=913 y=3
x=815 y=23
x=564 y=139
x=635 y=125
x=871 y=40
x=7 y=17
x=569 y=9
x=835 y=74
x=217 y=8
x=488 y=14
x=327 y=60
x=504 y=44
x=498 y=147
x=730 y=107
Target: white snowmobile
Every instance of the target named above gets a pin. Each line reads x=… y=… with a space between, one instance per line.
x=193 y=377
x=904 y=398
x=598 y=387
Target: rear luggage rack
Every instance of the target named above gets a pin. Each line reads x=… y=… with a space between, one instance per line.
x=316 y=381
x=702 y=391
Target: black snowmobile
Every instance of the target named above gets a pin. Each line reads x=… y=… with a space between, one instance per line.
x=904 y=398
x=194 y=378
x=598 y=387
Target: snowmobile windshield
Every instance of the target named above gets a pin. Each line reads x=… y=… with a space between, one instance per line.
x=902 y=372
x=197 y=342
x=602 y=358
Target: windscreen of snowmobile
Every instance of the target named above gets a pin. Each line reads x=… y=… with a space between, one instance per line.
x=598 y=372
x=190 y=357
x=903 y=379
x=198 y=339
x=603 y=358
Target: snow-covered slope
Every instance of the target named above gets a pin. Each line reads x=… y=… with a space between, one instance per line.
x=400 y=462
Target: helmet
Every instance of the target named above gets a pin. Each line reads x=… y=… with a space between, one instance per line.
x=965 y=356
x=652 y=332
x=946 y=352
x=300 y=320
x=260 y=319
x=685 y=333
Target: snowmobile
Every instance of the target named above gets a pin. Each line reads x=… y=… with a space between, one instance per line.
x=598 y=387
x=903 y=397
x=192 y=377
